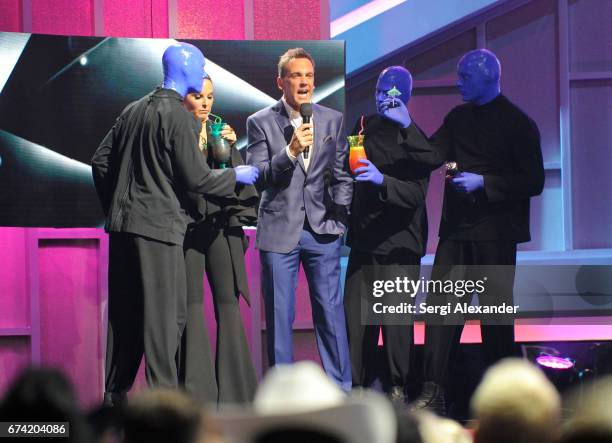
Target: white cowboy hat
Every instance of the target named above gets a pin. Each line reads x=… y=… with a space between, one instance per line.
x=301 y=396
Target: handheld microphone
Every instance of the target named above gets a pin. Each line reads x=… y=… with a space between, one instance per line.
x=306 y=113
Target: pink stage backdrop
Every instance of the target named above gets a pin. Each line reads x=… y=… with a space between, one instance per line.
x=71 y=17
x=292 y=19
x=188 y=19
x=10 y=15
x=14 y=311
x=209 y=19
x=135 y=18
x=70 y=312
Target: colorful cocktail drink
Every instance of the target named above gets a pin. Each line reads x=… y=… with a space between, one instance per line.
x=357 y=152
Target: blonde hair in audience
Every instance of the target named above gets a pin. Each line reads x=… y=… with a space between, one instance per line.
x=434 y=429
x=591 y=419
x=515 y=402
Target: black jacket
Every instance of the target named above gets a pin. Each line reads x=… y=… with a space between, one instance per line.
x=237 y=209
x=146 y=164
x=391 y=219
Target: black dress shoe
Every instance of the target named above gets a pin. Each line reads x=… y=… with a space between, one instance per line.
x=114 y=400
x=431 y=398
x=397 y=396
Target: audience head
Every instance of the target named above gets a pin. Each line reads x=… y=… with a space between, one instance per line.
x=163 y=415
x=434 y=429
x=515 y=402
x=299 y=403
x=590 y=419
x=407 y=427
x=45 y=395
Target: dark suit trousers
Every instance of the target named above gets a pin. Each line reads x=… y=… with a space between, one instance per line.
x=488 y=258
x=146 y=310
x=233 y=378
x=398 y=342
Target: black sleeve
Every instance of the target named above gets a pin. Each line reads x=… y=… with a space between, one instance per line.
x=408 y=194
x=527 y=178
x=420 y=150
x=101 y=166
x=442 y=142
x=192 y=167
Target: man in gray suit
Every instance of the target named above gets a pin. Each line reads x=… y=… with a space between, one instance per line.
x=305 y=194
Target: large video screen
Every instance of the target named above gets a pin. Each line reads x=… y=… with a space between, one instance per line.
x=60 y=95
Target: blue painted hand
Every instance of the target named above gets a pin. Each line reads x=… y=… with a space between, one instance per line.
x=467 y=182
x=246 y=175
x=395 y=110
x=369 y=173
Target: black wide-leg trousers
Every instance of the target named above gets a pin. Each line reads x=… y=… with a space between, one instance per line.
x=232 y=379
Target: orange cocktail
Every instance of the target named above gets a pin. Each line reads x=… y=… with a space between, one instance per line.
x=357 y=152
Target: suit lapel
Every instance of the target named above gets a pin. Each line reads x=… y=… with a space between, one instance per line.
x=319 y=133
x=286 y=128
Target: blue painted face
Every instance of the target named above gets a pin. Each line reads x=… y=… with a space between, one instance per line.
x=394 y=81
x=478 y=75
x=183 y=68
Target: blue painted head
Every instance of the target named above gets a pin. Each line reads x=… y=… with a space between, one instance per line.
x=478 y=76
x=183 y=68
x=394 y=81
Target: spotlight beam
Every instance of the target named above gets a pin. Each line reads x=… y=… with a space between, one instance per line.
x=77 y=60
x=11 y=48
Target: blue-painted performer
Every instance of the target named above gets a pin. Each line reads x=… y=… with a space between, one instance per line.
x=499 y=167
x=388 y=231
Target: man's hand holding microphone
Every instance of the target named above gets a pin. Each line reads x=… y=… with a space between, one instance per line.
x=302 y=139
x=303 y=136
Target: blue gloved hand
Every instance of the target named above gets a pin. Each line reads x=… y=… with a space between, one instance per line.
x=467 y=182
x=394 y=109
x=368 y=173
x=246 y=175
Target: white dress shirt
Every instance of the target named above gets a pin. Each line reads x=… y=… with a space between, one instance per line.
x=296 y=121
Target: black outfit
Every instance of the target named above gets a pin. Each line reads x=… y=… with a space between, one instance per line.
x=141 y=170
x=387 y=235
x=500 y=142
x=216 y=242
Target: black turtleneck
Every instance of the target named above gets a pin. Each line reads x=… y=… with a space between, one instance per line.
x=500 y=142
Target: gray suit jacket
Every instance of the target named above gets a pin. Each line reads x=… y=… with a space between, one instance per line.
x=288 y=193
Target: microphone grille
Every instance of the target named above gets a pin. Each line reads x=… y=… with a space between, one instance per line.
x=306 y=110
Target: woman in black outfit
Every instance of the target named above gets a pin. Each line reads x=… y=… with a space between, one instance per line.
x=216 y=242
